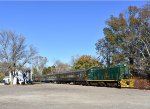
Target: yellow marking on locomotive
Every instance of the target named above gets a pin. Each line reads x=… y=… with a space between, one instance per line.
x=127 y=83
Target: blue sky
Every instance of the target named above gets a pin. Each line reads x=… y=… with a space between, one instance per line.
x=60 y=30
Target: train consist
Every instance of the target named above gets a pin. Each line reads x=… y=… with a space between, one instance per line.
x=118 y=76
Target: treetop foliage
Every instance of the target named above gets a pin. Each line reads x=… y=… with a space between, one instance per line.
x=127 y=39
x=85 y=61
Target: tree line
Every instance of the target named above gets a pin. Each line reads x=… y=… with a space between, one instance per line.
x=79 y=62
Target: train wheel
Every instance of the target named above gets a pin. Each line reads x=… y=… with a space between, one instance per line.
x=106 y=84
x=118 y=85
x=88 y=84
x=101 y=84
x=83 y=83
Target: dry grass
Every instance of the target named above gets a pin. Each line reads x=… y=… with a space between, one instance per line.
x=142 y=83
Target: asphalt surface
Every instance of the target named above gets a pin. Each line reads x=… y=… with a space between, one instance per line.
x=64 y=96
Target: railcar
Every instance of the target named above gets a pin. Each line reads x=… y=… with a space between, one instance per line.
x=75 y=77
x=118 y=76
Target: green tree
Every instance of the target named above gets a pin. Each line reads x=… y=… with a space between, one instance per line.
x=1 y=76
x=47 y=70
x=129 y=36
x=105 y=49
x=85 y=62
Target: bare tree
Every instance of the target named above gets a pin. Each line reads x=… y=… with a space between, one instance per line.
x=60 y=66
x=39 y=63
x=14 y=53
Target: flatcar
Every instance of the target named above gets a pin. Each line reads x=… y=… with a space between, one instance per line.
x=118 y=76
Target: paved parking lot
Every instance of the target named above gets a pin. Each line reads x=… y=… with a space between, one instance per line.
x=63 y=96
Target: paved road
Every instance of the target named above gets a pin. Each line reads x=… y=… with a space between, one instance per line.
x=61 y=96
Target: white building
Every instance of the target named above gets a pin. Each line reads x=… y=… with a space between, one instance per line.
x=20 y=77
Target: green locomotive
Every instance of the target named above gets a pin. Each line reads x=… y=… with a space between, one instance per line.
x=118 y=76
